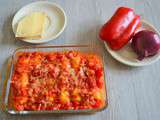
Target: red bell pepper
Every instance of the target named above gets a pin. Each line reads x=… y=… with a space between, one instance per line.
x=120 y=28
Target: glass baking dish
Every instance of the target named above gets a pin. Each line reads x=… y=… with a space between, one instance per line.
x=6 y=102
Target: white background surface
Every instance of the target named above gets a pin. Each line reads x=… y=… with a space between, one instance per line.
x=133 y=93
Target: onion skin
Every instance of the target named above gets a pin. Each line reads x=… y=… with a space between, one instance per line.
x=145 y=43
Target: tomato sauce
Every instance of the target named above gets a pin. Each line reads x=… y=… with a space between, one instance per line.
x=67 y=80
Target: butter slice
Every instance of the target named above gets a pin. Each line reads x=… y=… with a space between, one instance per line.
x=32 y=26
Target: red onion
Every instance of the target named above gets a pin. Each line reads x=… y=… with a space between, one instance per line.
x=145 y=43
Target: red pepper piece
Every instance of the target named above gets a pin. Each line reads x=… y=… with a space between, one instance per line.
x=120 y=28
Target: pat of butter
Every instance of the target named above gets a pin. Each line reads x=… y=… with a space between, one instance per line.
x=32 y=26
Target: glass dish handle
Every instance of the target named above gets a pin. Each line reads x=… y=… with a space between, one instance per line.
x=4 y=75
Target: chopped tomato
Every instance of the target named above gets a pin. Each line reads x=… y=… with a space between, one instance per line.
x=21 y=100
x=19 y=107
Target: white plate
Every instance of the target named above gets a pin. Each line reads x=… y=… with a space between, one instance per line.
x=127 y=56
x=55 y=13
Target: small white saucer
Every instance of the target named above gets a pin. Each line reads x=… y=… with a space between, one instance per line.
x=55 y=13
x=127 y=56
